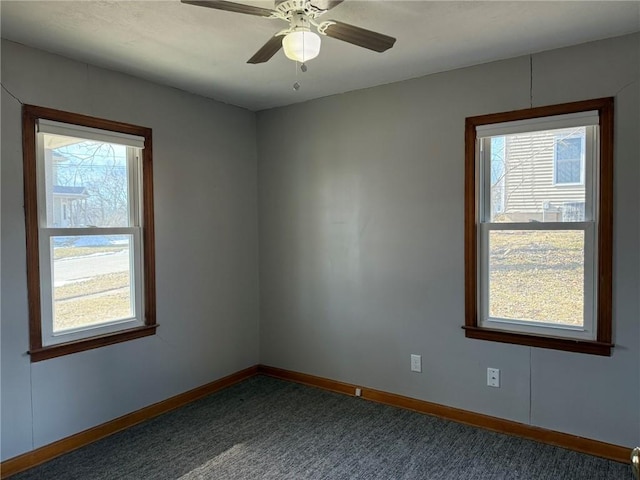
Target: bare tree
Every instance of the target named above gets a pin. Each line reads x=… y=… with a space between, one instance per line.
x=101 y=168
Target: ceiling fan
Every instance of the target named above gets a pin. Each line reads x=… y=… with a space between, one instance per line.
x=298 y=41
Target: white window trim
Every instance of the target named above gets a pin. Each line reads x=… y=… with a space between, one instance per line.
x=590 y=227
x=45 y=233
x=89 y=133
x=589 y=329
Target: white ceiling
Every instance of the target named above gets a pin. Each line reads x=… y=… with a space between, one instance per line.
x=204 y=51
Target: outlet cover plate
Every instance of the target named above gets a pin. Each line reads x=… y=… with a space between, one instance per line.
x=493 y=377
x=416 y=363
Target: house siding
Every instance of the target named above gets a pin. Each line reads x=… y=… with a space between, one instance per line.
x=529 y=189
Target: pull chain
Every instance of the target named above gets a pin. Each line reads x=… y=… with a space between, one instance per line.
x=296 y=85
x=303 y=68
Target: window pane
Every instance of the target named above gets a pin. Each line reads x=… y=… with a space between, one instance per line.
x=537 y=176
x=91 y=280
x=537 y=276
x=86 y=183
x=569 y=159
x=497 y=176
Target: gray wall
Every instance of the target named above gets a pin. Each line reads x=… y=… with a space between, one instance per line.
x=360 y=239
x=361 y=243
x=205 y=177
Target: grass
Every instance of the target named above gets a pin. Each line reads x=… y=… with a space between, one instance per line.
x=537 y=276
x=92 y=286
x=87 y=311
x=92 y=301
x=95 y=300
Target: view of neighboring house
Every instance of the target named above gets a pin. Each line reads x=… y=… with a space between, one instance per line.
x=539 y=176
x=86 y=182
x=69 y=206
x=66 y=204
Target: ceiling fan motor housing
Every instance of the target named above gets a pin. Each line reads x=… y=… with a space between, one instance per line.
x=299 y=22
x=288 y=7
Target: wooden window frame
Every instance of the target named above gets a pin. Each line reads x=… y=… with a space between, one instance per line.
x=602 y=345
x=30 y=116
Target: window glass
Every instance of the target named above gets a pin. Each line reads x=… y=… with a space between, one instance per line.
x=526 y=170
x=87 y=183
x=537 y=276
x=569 y=159
x=92 y=280
x=497 y=176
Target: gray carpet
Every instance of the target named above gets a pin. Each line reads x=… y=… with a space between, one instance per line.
x=265 y=428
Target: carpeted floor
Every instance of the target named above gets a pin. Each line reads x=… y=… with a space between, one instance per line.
x=265 y=428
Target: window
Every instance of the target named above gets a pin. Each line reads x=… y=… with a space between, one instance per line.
x=569 y=157
x=90 y=239
x=538 y=258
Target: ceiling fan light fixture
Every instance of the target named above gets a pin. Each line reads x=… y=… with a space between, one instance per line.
x=301 y=45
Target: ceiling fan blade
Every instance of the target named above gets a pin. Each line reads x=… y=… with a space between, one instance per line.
x=359 y=36
x=326 y=4
x=231 y=7
x=267 y=51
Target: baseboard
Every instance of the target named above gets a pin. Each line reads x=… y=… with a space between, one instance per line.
x=550 y=437
x=48 y=452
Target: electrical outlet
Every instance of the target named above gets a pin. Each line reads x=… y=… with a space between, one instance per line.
x=493 y=377
x=358 y=392
x=416 y=363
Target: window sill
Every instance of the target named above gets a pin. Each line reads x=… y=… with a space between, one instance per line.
x=555 y=343
x=52 y=351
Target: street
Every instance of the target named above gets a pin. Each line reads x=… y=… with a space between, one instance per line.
x=67 y=270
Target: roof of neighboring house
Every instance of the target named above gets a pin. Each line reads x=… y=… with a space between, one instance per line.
x=69 y=191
